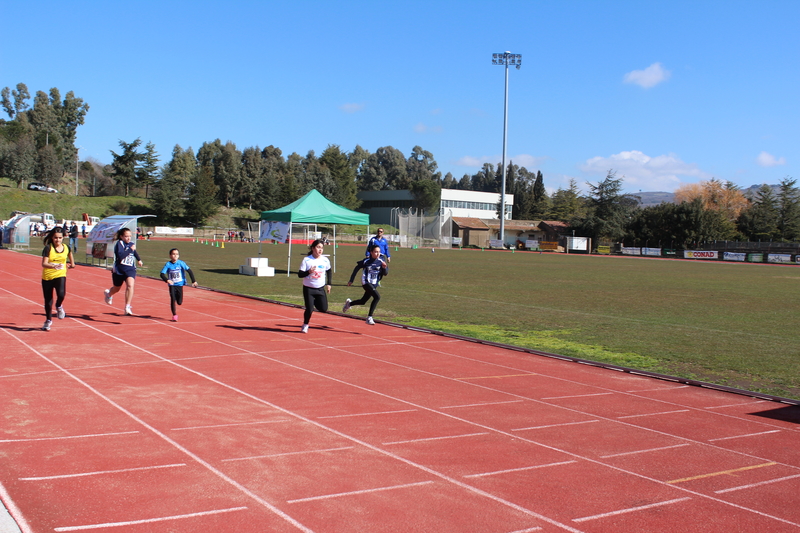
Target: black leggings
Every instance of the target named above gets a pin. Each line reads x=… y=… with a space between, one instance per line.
x=175 y=297
x=314 y=298
x=60 y=286
x=370 y=291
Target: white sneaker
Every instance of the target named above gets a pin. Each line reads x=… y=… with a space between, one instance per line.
x=60 y=313
x=370 y=322
x=47 y=324
x=346 y=306
x=128 y=310
x=107 y=297
x=305 y=329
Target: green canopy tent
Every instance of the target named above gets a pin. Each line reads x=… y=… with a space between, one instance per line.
x=313 y=208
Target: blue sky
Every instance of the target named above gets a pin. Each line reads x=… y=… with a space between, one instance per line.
x=664 y=93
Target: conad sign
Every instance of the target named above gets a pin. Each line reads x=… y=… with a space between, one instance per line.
x=689 y=254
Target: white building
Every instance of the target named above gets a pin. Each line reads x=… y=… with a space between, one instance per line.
x=383 y=206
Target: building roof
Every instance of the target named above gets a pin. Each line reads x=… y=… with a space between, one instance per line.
x=470 y=223
x=556 y=225
x=515 y=225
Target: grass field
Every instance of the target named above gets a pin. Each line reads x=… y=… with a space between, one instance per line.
x=732 y=324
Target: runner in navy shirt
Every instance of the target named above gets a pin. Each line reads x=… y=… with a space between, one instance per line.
x=373 y=268
x=124 y=270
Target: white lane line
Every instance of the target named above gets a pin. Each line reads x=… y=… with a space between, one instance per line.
x=480 y=404
x=748 y=435
x=657 y=390
x=740 y=404
x=654 y=414
x=365 y=491
x=149 y=520
x=527 y=530
x=435 y=438
x=751 y=485
x=71 y=437
x=13 y=512
x=557 y=425
x=644 y=451
x=630 y=510
x=369 y=414
x=578 y=396
x=234 y=424
x=521 y=469
x=100 y=472
x=286 y=453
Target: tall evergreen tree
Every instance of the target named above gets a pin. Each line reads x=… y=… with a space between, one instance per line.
x=202 y=203
x=567 y=204
x=148 y=168
x=124 y=165
x=760 y=222
x=343 y=175
x=789 y=210
x=48 y=166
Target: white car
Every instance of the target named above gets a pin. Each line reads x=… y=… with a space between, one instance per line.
x=41 y=187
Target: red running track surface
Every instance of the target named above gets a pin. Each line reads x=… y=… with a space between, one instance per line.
x=231 y=420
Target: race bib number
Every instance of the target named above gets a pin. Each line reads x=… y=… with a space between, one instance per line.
x=176 y=275
x=128 y=260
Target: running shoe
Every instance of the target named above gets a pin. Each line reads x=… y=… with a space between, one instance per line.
x=47 y=324
x=346 y=306
x=174 y=318
x=107 y=297
x=128 y=310
x=60 y=313
x=305 y=329
x=370 y=322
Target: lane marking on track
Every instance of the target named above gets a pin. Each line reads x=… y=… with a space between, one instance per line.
x=369 y=414
x=14 y=511
x=654 y=414
x=747 y=435
x=557 y=425
x=496 y=377
x=435 y=438
x=645 y=451
x=287 y=453
x=365 y=491
x=629 y=510
x=527 y=530
x=101 y=472
x=578 y=396
x=521 y=469
x=232 y=424
x=751 y=485
x=71 y=437
x=149 y=520
x=659 y=389
x=722 y=473
x=480 y=404
x=740 y=404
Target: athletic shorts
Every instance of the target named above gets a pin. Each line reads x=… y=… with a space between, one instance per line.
x=119 y=279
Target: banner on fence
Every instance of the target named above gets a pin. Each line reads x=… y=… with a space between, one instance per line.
x=457 y=241
x=578 y=243
x=653 y=252
x=273 y=230
x=700 y=254
x=755 y=258
x=532 y=244
x=629 y=250
x=548 y=245
x=779 y=258
x=734 y=256
x=603 y=249
x=495 y=243
x=164 y=230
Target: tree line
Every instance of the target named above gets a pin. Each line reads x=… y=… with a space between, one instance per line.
x=38 y=143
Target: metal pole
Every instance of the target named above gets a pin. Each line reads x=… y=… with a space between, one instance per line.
x=503 y=186
x=77 y=161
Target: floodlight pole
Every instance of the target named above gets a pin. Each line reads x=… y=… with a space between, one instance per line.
x=506 y=58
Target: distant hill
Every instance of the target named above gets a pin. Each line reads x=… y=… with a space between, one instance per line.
x=654 y=198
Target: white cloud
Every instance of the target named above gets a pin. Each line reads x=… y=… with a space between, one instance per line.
x=768 y=160
x=649 y=77
x=642 y=172
x=351 y=108
x=524 y=160
x=423 y=128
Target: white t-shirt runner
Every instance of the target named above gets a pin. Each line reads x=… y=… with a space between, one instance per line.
x=316 y=279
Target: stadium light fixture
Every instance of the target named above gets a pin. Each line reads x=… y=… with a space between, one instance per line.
x=515 y=60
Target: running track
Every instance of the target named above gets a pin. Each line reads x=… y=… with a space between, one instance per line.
x=233 y=421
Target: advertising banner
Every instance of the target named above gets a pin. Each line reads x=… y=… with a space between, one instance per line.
x=734 y=256
x=629 y=250
x=105 y=231
x=755 y=258
x=164 y=230
x=532 y=244
x=495 y=243
x=779 y=258
x=653 y=252
x=272 y=230
x=578 y=243
x=603 y=249
x=700 y=254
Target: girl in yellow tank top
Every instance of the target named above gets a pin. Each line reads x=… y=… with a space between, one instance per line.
x=56 y=258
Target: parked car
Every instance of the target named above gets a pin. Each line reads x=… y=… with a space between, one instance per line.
x=41 y=187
